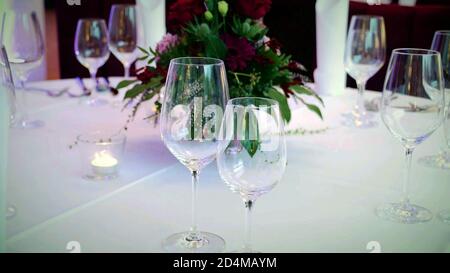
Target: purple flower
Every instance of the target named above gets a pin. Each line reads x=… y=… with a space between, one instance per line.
x=167 y=42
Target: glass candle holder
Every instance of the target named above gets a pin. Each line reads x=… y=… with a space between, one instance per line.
x=101 y=154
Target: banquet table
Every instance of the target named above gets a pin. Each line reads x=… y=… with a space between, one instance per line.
x=335 y=178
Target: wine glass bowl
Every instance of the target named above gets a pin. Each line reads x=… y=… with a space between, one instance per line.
x=365 y=54
x=91 y=49
x=196 y=92
x=415 y=77
x=441 y=43
x=123 y=35
x=251 y=156
x=22 y=38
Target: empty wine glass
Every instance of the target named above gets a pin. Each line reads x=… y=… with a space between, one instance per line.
x=415 y=77
x=22 y=37
x=123 y=35
x=195 y=95
x=251 y=156
x=365 y=54
x=91 y=49
x=7 y=85
x=441 y=43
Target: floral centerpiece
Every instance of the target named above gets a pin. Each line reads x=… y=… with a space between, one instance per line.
x=232 y=31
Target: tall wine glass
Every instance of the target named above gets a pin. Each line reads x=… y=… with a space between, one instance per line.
x=91 y=49
x=7 y=85
x=22 y=37
x=415 y=77
x=123 y=35
x=441 y=43
x=365 y=54
x=195 y=95
x=251 y=157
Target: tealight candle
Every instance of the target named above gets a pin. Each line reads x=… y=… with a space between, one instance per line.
x=104 y=164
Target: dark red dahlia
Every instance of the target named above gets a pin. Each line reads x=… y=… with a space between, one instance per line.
x=262 y=60
x=254 y=9
x=144 y=74
x=239 y=52
x=274 y=44
x=183 y=11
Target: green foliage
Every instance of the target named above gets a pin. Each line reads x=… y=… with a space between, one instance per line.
x=249 y=29
x=201 y=33
x=140 y=88
x=282 y=101
x=202 y=38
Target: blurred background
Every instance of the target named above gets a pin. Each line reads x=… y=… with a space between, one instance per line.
x=409 y=23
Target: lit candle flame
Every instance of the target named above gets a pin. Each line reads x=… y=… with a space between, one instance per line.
x=104 y=159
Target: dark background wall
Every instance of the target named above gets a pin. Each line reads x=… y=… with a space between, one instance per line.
x=292 y=22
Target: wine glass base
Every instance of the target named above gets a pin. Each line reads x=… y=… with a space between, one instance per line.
x=440 y=161
x=28 y=124
x=96 y=102
x=404 y=213
x=444 y=216
x=209 y=243
x=245 y=250
x=11 y=211
x=350 y=120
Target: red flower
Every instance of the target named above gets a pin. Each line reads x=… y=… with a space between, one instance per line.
x=286 y=86
x=183 y=11
x=295 y=67
x=254 y=9
x=239 y=53
x=262 y=60
x=144 y=74
x=274 y=44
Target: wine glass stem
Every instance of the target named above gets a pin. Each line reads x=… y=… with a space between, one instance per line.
x=408 y=160
x=93 y=74
x=126 y=67
x=22 y=105
x=359 y=107
x=194 y=232
x=446 y=129
x=248 y=225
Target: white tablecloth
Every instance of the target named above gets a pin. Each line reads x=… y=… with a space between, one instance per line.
x=325 y=202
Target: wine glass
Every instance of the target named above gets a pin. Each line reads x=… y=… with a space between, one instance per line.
x=195 y=95
x=91 y=49
x=415 y=77
x=123 y=35
x=7 y=85
x=441 y=43
x=365 y=54
x=22 y=37
x=251 y=156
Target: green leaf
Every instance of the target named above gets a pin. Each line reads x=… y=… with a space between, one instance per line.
x=251 y=146
x=143 y=50
x=282 y=101
x=125 y=83
x=313 y=108
x=140 y=88
x=215 y=47
x=143 y=58
x=303 y=90
x=135 y=91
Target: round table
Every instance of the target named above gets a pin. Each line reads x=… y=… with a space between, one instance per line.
x=334 y=180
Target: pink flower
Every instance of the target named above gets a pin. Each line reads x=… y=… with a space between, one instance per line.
x=167 y=42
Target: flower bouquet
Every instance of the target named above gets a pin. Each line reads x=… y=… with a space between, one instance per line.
x=232 y=31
